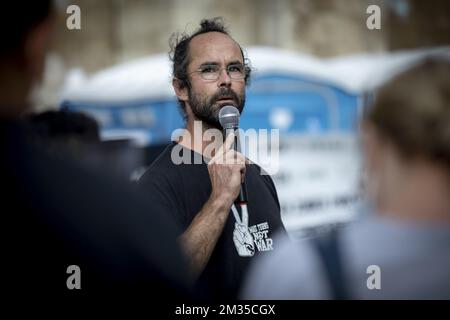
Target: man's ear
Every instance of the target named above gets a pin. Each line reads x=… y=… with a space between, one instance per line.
x=36 y=45
x=180 y=90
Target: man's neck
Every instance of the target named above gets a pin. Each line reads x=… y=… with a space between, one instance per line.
x=422 y=195
x=194 y=138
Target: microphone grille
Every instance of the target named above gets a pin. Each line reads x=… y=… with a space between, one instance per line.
x=229 y=117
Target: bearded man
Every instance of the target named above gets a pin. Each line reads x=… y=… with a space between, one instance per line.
x=210 y=72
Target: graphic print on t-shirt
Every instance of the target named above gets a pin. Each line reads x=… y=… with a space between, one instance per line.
x=242 y=235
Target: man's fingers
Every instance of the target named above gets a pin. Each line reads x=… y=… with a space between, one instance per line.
x=230 y=158
x=234 y=158
x=229 y=141
x=225 y=146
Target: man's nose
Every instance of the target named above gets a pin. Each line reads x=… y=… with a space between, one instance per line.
x=224 y=78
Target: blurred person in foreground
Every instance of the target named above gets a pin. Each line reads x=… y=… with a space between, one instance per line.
x=210 y=72
x=402 y=251
x=66 y=132
x=71 y=127
x=76 y=134
x=57 y=213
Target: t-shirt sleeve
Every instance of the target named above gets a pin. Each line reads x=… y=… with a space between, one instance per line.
x=273 y=191
x=269 y=182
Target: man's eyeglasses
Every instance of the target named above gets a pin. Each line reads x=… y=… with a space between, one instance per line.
x=212 y=72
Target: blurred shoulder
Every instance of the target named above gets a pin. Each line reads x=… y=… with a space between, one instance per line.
x=289 y=272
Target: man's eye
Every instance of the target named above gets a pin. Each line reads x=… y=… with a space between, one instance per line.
x=208 y=70
x=235 y=69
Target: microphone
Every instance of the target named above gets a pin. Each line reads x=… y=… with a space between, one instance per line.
x=229 y=120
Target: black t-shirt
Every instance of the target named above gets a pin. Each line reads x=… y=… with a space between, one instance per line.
x=182 y=189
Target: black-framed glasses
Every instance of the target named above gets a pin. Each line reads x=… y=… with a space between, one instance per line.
x=212 y=72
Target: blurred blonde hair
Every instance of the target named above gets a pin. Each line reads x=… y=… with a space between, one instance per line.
x=412 y=111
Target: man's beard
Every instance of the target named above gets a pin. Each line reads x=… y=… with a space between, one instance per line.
x=207 y=109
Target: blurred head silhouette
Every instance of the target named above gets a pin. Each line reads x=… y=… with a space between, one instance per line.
x=406 y=144
x=71 y=131
x=23 y=46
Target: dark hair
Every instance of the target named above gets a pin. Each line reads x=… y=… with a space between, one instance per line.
x=20 y=17
x=179 y=51
x=413 y=111
x=64 y=124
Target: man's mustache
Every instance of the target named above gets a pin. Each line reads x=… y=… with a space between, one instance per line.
x=225 y=93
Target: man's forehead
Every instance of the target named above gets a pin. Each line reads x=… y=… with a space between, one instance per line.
x=213 y=47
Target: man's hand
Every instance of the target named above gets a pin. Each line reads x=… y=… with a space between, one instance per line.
x=226 y=171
